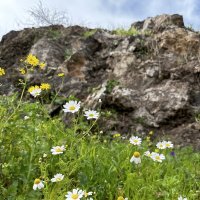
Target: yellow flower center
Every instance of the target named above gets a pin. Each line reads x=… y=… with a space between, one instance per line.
x=58 y=179
x=120 y=198
x=167 y=145
x=37 y=181
x=136 y=154
x=157 y=157
x=58 y=149
x=91 y=115
x=72 y=108
x=74 y=196
x=136 y=141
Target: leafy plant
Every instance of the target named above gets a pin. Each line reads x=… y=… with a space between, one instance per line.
x=68 y=53
x=110 y=85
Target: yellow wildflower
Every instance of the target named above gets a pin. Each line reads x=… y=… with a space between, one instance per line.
x=116 y=135
x=45 y=86
x=30 y=89
x=61 y=74
x=42 y=65
x=22 y=71
x=2 y=71
x=151 y=133
x=32 y=60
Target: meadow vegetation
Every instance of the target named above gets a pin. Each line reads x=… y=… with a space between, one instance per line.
x=43 y=158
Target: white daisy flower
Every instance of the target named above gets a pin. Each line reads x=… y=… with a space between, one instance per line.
x=135 y=140
x=157 y=157
x=136 y=158
x=181 y=198
x=86 y=194
x=36 y=92
x=76 y=194
x=168 y=144
x=57 y=178
x=91 y=114
x=57 y=150
x=72 y=106
x=161 y=145
x=38 y=184
x=147 y=153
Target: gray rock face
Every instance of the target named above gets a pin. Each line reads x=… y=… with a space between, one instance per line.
x=146 y=81
x=160 y=21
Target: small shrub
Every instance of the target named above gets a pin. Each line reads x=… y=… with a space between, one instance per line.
x=54 y=34
x=90 y=33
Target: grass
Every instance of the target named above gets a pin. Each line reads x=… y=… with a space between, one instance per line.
x=91 y=162
x=130 y=32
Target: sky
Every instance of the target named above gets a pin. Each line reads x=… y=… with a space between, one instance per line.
x=108 y=14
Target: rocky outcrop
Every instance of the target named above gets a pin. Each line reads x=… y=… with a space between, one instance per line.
x=147 y=81
x=159 y=22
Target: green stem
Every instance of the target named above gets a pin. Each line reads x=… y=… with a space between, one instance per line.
x=57 y=92
x=52 y=192
x=75 y=124
x=20 y=101
x=31 y=158
x=87 y=132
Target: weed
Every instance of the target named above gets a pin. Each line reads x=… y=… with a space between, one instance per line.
x=140 y=120
x=110 y=85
